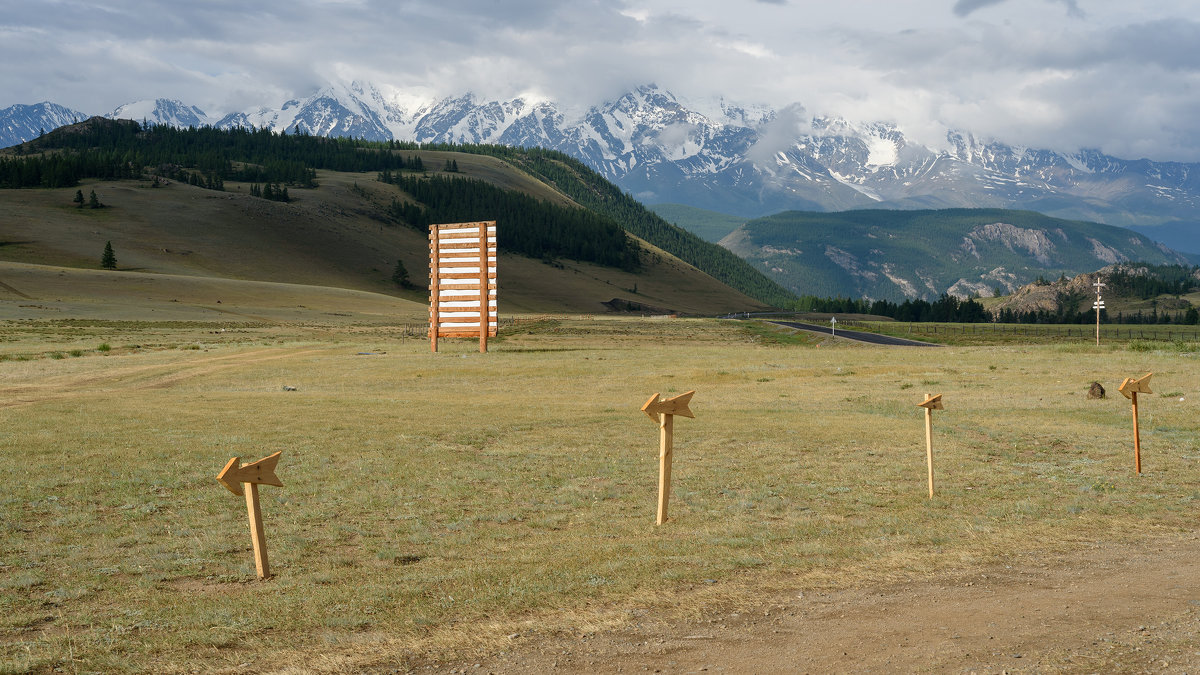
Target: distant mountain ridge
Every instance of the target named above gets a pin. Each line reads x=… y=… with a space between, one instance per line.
x=895 y=255
x=738 y=159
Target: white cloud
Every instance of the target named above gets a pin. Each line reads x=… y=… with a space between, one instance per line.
x=1036 y=72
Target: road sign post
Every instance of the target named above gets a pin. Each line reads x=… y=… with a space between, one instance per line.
x=664 y=413
x=1130 y=388
x=1098 y=305
x=930 y=404
x=244 y=479
x=833 y=326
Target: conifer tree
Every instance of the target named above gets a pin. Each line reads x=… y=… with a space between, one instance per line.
x=109 y=260
x=400 y=275
x=78 y=199
x=93 y=201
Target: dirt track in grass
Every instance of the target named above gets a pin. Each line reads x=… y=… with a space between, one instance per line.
x=1110 y=608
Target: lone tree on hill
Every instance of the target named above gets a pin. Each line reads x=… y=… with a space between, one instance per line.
x=78 y=199
x=93 y=201
x=109 y=260
x=400 y=275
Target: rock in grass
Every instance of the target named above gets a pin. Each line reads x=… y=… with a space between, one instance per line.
x=1096 y=391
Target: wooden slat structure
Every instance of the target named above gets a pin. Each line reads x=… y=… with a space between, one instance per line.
x=462 y=282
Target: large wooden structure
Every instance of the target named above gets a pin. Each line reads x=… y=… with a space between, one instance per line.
x=462 y=282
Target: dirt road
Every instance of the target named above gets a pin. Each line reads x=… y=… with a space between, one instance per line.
x=1109 y=608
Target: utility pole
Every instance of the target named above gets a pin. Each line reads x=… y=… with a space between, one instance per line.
x=1098 y=305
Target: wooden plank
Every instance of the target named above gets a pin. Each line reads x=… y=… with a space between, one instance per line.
x=257 y=535
x=484 y=305
x=463 y=290
x=1137 y=440
x=666 y=426
x=929 y=446
x=467 y=246
x=433 y=290
x=472 y=276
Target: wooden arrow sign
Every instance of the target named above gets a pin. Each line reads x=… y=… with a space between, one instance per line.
x=261 y=472
x=237 y=478
x=676 y=405
x=932 y=403
x=1130 y=388
x=1139 y=386
x=664 y=413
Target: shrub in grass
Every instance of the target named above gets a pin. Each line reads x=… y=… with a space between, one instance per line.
x=104 y=347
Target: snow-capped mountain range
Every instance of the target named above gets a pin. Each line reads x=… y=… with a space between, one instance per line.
x=738 y=159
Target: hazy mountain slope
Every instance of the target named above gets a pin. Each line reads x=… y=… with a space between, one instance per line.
x=909 y=254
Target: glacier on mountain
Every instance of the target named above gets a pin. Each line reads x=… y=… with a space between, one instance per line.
x=746 y=160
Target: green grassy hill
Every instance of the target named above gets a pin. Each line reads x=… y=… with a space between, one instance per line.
x=905 y=254
x=346 y=232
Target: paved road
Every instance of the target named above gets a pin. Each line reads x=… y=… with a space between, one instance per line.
x=873 y=338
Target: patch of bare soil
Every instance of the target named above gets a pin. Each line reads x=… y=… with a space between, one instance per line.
x=1110 y=608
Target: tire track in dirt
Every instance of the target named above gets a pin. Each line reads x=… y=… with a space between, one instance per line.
x=122 y=377
x=14 y=291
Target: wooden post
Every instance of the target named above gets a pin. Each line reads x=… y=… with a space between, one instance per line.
x=484 y=295
x=929 y=445
x=664 y=413
x=1137 y=441
x=257 y=537
x=930 y=404
x=434 y=290
x=1130 y=388
x=666 y=424
x=244 y=479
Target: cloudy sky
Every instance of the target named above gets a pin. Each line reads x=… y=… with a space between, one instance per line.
x=1120 y=76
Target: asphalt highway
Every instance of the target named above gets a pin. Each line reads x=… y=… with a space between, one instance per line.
x=873 y=338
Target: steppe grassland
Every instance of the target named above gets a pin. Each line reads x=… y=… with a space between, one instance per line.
x=440 y=503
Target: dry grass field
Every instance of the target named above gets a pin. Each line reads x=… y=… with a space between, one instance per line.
x=437 y=504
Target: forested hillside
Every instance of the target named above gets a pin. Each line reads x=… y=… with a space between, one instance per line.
x=898 y=255
x=108 y=149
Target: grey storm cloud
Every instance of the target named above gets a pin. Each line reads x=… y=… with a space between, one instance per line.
x=966 y=7
x=1044 y=73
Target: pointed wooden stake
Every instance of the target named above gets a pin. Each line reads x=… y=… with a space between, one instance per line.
x=257 y=536
x=666 y=424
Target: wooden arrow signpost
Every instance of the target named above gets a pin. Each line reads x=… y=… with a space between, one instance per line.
x=1130 y=388
x=236 y=477
x=930 y=404
x=664 y=413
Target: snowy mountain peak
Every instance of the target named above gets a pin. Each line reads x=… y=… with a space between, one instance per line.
x=162 y=111
x=19 y=123
x=747 y=160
